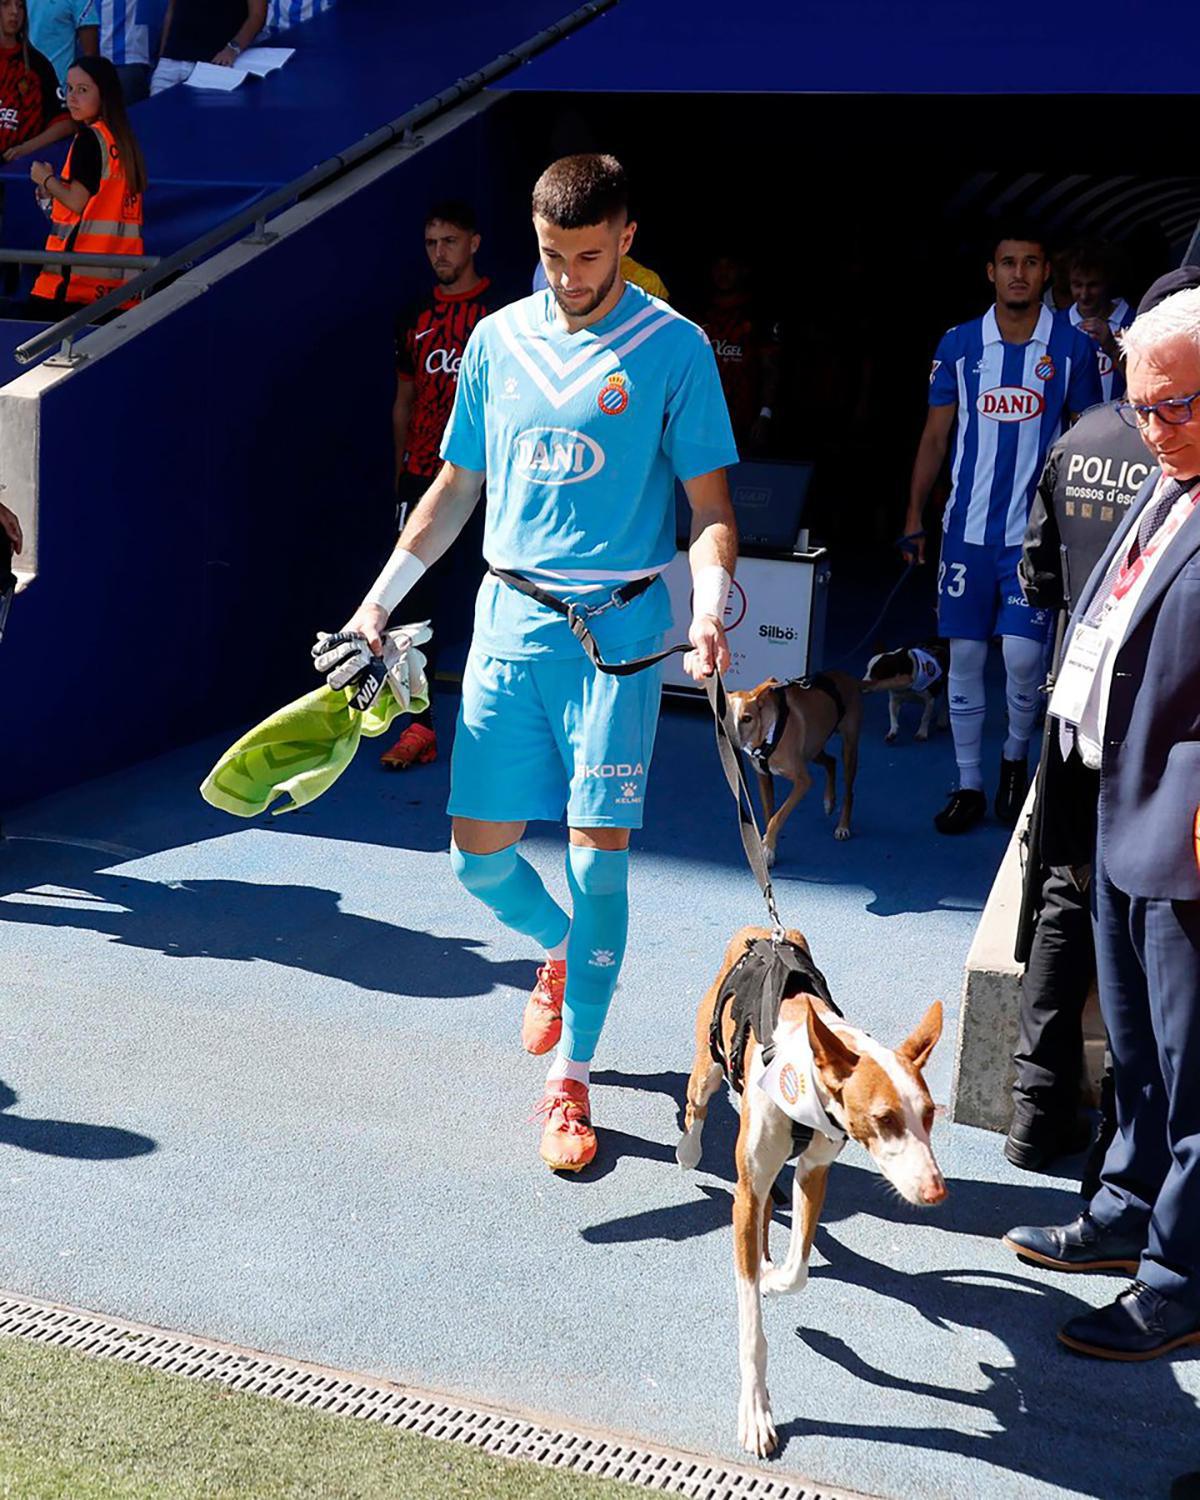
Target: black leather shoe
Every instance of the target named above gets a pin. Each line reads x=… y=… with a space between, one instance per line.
x=1010 y=794
x=1080 y=1246
x=1140 y=1324
x=1035 y=1141
x=965 y=808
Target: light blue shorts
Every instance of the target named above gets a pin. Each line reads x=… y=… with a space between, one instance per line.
x=542 y=736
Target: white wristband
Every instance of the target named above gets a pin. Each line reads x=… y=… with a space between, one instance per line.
x=710 y=590
x=766 y=412
x=400 y=574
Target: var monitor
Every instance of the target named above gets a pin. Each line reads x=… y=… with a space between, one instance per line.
x=768 y=501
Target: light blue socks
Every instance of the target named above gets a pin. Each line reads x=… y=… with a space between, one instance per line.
x=513 y=889
x=598 y=880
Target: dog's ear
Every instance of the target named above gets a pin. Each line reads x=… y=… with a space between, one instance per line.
x=835 y=1061
x=916 y=1048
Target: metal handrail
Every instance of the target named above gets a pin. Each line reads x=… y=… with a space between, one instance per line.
x=255 y=217
x=77 y=258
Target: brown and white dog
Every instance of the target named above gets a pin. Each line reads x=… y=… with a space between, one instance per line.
x=914 y=674
x=860 y=1088
x=783 y=726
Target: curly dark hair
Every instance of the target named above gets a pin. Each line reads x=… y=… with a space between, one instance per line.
x=576 y=192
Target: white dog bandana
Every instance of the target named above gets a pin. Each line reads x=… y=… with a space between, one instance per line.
x=791 y=1083
x=926 y=670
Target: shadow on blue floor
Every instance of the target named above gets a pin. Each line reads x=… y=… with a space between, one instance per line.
x=300 y=926
x=70 y=1138
x=281 y=1064
x=1018 y=1310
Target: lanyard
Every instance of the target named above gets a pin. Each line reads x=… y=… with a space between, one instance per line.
x=1130 y=572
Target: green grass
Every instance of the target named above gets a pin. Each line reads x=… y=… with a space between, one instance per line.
x=73 y=1428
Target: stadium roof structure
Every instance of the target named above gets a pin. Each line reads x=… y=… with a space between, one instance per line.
x=870 y=47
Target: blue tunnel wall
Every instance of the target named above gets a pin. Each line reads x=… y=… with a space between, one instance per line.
x=219 y=488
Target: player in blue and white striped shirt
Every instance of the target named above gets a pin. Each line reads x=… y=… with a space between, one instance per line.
x=1097 y=311
x=1009 y=381
x=282 y=15
x=125 y=41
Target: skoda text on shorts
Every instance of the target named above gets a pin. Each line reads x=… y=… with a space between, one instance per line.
x=582 y=405
x=1008 y=381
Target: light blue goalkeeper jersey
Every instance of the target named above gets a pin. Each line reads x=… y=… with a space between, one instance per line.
x=582 y=437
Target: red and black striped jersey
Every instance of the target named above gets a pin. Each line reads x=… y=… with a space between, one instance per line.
x=29 y=97
x=739 y=337
x=430 y=338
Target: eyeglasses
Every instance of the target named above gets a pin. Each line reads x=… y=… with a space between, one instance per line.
x=1175 y=412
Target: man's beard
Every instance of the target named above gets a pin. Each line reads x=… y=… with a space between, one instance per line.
x=574 y=310
x=447 y=274
x=1018 y=304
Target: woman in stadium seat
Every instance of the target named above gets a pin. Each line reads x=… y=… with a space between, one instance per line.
x=95 y=205
x=31 y=113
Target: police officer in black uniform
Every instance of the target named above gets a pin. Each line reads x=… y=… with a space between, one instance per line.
x=1091 y=477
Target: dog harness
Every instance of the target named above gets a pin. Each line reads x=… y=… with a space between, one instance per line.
x=757 y=985
x=761 y=754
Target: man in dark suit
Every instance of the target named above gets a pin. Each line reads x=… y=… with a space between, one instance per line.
x=1092 y=476
x=1128 y=702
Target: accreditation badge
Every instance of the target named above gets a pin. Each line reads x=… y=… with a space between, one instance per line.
x=1086 y=650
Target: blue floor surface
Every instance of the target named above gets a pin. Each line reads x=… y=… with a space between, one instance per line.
x=263 y=1082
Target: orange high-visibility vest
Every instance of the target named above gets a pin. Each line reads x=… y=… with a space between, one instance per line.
x=111 y=223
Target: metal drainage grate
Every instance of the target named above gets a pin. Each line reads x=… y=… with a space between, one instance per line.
x=429 y=1415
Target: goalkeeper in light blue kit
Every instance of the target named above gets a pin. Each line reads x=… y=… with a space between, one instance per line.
x=581 y=405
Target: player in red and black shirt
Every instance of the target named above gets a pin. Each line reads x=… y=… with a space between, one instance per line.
x=747 y=350
x=430 y=338
x=32 y=114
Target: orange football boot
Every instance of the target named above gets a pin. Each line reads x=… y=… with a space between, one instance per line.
x=541 y=1025
x=568 y=1140
x=417 y=746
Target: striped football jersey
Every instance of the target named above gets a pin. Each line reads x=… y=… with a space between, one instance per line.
x=1013 y=400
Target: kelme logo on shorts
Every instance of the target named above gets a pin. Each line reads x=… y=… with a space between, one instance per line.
x=556 y=455
x=1010 y=403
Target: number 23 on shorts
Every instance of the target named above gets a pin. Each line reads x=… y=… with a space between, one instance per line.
x=957 y=584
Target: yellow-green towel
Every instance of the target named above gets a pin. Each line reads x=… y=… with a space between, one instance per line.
x=298 y=752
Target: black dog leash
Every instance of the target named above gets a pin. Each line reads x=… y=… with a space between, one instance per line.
x=726 y=729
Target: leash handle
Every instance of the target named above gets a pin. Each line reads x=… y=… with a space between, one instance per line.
x=731 y=764
x=577 y=618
